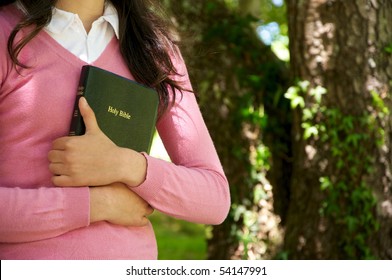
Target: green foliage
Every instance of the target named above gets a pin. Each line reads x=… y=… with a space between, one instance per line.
x=177 y=239
x=388 y=48
x=270 y=12
x=235 y=76
x=296 y=100
x=252 y=72
x=349 y=201
x=247 y=228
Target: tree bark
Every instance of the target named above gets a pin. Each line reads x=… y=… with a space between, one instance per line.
x=341 y=46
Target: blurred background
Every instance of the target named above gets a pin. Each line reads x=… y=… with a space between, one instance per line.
x=296 y=96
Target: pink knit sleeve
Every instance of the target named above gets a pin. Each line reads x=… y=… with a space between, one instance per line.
x=36 y=214
x=193 y=187
x=30 y=213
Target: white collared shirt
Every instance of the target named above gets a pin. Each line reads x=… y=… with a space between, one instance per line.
x=68 y=30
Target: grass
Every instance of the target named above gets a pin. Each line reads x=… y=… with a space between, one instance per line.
x=177 y=239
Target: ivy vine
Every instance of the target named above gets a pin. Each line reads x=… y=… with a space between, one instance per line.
x=349 y=201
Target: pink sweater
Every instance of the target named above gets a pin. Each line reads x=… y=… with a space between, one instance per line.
x=41 y=221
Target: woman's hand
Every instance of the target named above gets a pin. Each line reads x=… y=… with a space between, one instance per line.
x=117 y=204
x=93 y=159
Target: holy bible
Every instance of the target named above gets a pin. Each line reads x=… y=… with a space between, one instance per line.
x=126 y=111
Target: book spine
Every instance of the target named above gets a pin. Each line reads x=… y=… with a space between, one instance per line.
x=77 y=125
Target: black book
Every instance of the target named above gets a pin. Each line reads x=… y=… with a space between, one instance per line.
x=126 y=111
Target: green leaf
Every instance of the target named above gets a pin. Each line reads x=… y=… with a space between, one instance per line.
x=291 y=93
x=352 y=223
x=325 y=183
x=303 y=85
x=310 y=131
x=298 y=101
x=307 y=114
x=388 y=48
x=317 y=93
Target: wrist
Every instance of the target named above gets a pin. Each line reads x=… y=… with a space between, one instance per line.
x=99 y=199
x=134 y=168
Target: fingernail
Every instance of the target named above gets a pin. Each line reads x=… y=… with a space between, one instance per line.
x=84 y=100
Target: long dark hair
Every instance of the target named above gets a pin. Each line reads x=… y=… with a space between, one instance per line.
x=146 y=42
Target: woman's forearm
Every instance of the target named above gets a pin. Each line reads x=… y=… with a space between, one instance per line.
x=117 y=204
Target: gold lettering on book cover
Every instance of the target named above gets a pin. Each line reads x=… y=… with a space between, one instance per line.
x=119 y=113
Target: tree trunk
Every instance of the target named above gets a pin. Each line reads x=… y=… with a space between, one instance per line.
x=341 y=195
x=233 y=74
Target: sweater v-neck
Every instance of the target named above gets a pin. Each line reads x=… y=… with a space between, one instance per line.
x=69 y=57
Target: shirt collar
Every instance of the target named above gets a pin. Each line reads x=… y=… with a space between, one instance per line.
x=61 y=20
x=110 y=15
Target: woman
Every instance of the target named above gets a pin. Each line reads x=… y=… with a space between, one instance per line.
x=83 y=197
